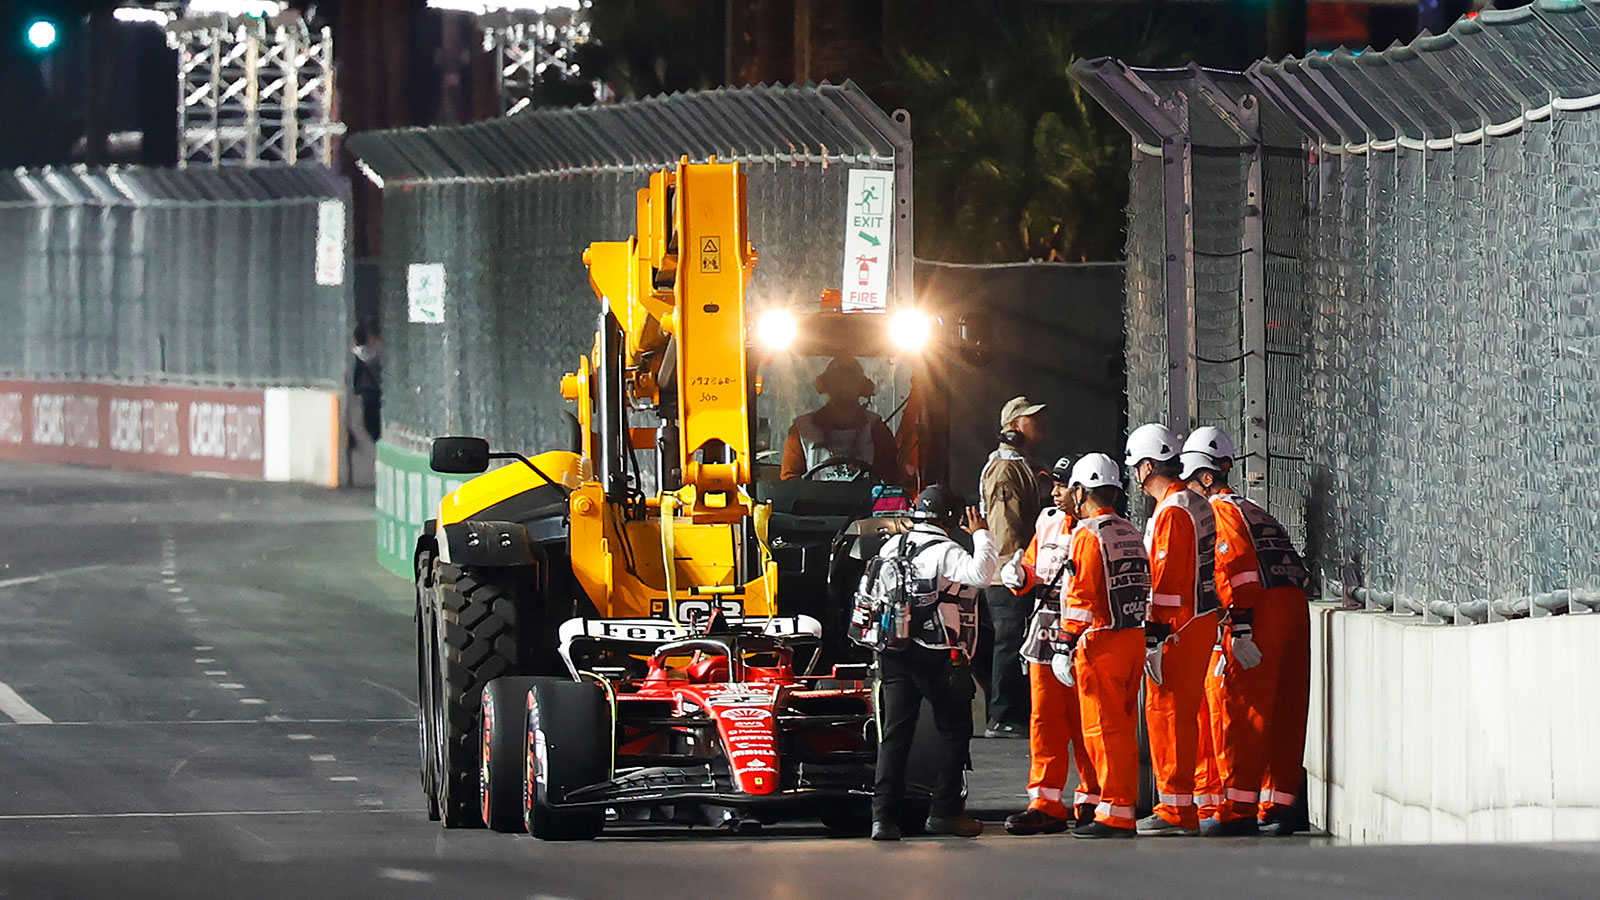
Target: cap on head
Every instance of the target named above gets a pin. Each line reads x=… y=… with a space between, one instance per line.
x=935 y=502
x=1195 y=462
x=1095 y=470
x=843 y=375
x=1153 y=441
x=1213 y=442
x=1062 y=470
x=1017 y=407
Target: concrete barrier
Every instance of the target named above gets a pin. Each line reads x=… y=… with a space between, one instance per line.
x=1430 y=734
x=263 y=434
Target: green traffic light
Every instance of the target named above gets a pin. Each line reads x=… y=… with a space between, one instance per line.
x=42 y=34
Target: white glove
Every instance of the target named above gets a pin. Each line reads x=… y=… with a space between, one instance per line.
x=1012 y=573
x=1061 y=667
x=1245 y=651
x=1152 y=662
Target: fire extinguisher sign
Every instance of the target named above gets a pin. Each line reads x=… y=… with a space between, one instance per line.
x=868 y=225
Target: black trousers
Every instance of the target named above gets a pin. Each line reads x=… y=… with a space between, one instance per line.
x=905 y=679
x=1008 y=683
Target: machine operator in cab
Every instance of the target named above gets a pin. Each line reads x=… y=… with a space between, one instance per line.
x=843 y=429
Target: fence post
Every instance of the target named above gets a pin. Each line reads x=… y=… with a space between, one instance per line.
x=1178 y=271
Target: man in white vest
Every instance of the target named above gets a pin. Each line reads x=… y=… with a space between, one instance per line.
x=843 y=429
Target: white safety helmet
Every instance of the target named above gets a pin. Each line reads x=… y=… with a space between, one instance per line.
x=1095 y=470
x=1153 y=441
x=1193 y=461
x=1213 y=442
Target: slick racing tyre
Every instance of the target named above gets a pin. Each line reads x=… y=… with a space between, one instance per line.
x=476 y=640
x=570 y=739
x=504 y=729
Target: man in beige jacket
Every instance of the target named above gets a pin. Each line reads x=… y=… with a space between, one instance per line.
x=1012 y=493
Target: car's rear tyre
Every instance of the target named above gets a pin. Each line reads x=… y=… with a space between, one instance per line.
x=477 y=640
x=504 y=729
x=569 y=744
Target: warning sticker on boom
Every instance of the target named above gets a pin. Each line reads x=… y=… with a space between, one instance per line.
x=710 y=255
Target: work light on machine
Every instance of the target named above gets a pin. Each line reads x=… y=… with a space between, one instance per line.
x=910 y=330
x=776 y=329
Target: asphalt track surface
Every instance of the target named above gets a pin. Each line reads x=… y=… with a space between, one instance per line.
x=227 y=679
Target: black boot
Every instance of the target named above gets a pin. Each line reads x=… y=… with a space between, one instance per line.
x=1098 y=830
x=885 y=831
x=960 y=825
x=1035 y=821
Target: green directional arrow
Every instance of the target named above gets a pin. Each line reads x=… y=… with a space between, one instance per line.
x=870 y=239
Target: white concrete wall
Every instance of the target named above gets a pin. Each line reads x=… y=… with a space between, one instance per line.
x=1435 y=733
x=304 y=436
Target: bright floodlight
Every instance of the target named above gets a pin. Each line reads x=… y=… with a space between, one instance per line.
x=135 y=15
x=42 y=34
x=482 y=7
x=910 y=330
x=258 y=8
x=776 y=329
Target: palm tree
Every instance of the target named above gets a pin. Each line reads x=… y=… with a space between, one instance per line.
x=1013 y=160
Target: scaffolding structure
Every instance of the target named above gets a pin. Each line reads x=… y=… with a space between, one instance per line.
x=532 y=41
x=253 y=90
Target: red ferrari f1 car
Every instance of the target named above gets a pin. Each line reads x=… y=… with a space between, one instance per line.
x=718 y=725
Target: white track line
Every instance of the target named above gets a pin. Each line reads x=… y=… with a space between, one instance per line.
x=21 y=711
x=34 y=579
x=265 y=720
x=28 y=817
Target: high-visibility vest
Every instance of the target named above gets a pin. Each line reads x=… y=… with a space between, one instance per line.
x=1052 y=553
x=820 y=445
x=1280 y=563
x=1127 y=569
x=1205 y=553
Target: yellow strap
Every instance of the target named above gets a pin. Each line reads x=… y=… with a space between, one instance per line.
x=669 y=510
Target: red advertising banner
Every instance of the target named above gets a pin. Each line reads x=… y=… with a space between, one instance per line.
x=191 y=431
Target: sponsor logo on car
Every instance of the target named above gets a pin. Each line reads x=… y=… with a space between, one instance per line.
x=745 y=712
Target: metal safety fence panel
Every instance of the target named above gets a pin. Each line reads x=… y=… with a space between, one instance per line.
x=1432 y=260
x=193 y=276
x=1216 y=232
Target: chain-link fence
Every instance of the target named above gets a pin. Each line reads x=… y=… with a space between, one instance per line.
x=1432 y=267
x=152 y=275
x=504 y=209
x=1215 y=235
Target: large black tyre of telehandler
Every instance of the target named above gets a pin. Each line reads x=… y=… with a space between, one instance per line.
x=502 y=770
x=426 y=742
x=570 y=739
x=477 y=638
